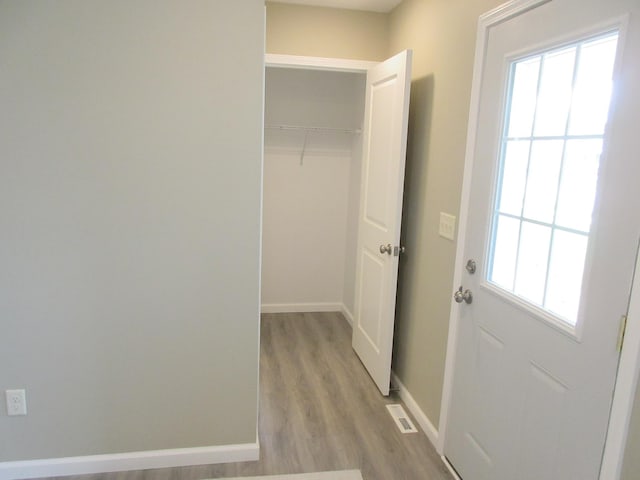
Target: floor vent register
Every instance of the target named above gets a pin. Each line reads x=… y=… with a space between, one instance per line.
x=401 y=418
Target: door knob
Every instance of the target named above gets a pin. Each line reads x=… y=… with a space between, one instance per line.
x=461 y=296
x=386 y=248
x=398 y=250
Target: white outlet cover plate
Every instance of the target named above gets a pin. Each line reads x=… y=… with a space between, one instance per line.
x=16 y=402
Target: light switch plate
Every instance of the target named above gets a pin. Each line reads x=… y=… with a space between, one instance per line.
x=447 y=228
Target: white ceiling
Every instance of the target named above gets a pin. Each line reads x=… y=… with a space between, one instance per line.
x=370 y=5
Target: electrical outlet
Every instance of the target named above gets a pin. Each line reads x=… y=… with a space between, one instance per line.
x=16 y=402
x=447 y=228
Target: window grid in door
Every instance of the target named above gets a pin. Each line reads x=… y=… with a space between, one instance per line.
x=557 y=108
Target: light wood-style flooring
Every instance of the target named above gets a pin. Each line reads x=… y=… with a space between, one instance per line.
x=319 y=410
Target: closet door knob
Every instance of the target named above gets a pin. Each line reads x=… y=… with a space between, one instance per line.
x=386 y=248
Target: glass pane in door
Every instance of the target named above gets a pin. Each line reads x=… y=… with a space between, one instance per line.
x=553 y=138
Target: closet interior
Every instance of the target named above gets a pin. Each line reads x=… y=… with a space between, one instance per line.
x=311 y=188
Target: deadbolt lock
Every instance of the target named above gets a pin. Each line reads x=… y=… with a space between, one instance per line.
x=471 y=266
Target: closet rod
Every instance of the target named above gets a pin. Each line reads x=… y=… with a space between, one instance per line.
x=313 y=129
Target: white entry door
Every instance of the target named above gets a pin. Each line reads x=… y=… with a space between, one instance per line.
x=383 y=158
x=552 y=223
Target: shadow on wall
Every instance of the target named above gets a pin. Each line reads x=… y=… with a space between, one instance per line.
x=413 y=217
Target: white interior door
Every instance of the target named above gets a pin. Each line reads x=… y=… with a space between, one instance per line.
x=383 y=158
x=552 y=226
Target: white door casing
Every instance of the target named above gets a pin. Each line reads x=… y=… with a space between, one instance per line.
x=384 y=149
x=530 y=400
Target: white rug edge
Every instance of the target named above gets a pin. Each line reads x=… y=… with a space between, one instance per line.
x=332 y=475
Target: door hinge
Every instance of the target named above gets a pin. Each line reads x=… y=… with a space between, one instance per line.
x=621 y=332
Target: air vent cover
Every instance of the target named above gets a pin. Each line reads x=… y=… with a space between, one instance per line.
x=401 y=418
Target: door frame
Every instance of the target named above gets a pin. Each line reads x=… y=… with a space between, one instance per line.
x=629 y=367
x=326 y=64
x=317 y=63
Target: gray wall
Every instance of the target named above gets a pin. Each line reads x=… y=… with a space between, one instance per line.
x=130 y=190
x=326 y=32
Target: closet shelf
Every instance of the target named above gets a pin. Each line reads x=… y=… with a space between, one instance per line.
x=326 y=130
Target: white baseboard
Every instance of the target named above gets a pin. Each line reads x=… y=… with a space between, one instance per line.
x=118 y=462
x=347 y=314
x=300 y=307
x=427 y=427
x=307 y=307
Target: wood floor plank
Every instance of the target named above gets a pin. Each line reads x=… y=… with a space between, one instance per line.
x=319 y=411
